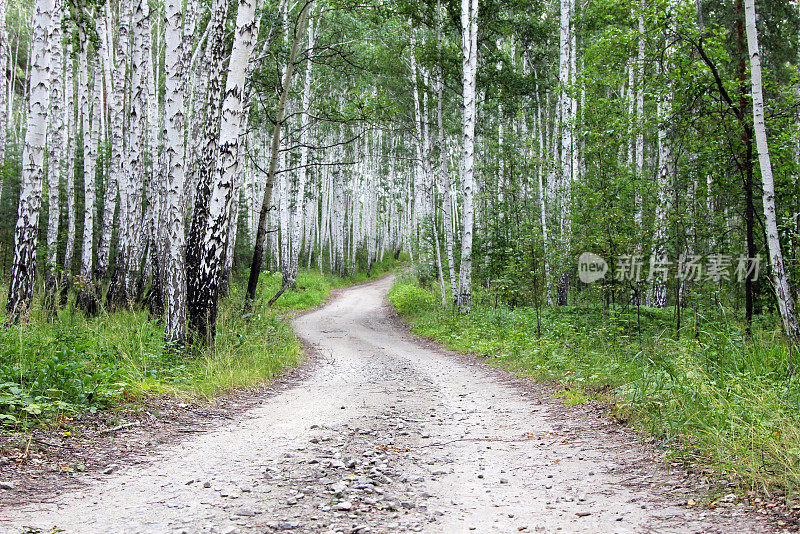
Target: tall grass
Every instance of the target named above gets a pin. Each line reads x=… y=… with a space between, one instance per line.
x=713 y=397
x=67 y=363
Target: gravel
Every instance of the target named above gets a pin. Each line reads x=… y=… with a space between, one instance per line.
x=389 y=434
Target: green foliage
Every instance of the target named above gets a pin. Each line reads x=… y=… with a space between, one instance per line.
x=68 y=364
x=712 y=396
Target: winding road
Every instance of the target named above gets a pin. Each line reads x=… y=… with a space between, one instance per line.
x=387 y=433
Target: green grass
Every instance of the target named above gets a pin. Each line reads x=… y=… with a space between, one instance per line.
x=67 y=364
x=716 y=400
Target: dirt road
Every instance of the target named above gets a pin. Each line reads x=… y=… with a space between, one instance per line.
x=388 y=434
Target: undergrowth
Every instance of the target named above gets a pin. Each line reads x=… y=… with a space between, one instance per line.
x=65 y=364
x=713 y=397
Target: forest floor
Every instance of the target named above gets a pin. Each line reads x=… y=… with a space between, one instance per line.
x=382 y=432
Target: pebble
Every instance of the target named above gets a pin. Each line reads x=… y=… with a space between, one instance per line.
x=245 y=512
x=343 y=506
x=6 y=485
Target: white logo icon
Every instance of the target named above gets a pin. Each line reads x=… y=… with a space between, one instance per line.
x=591 y=267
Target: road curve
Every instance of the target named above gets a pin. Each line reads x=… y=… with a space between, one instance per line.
x=386 y=433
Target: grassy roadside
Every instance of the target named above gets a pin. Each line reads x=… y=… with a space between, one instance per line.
x=716 y=400
x=66 y=365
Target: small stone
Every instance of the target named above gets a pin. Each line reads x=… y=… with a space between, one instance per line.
x=503 y=481
x=583 y=514
x=206 y=484
x=108 y=470
x=407 y=505
x=6 y=485
x=245 y=512
x=343 y=506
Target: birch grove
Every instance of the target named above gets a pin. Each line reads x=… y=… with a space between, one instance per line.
x=163 y=152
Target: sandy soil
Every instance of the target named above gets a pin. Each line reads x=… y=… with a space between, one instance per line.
x=385 y=433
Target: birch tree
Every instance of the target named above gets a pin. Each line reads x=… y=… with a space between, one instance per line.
x=90 y=132
x=205 y=159
x=469 y=65
x=780 y=277
x=56 y=157
x=175 y=246
x=114 y=79
x=444 y=175
x=23 y=267
x=261 y=232
x=5 y=97
x=232 y=115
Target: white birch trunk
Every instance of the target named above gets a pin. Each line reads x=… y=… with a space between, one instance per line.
x=56 y=159
x=444 y=174
x=5 y=97
x=90 y=125
x=202 y=168
x=69 y=120
x=666 y=171
x=302 y=176
x=114 y=103
x=23 y=267
x=469 y=52
x=640 y=119
x=780 y=276
x=175 y=246
x=232 y=115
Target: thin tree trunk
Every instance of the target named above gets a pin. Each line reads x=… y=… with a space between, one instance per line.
x=69 y=120
x=302 y=178
x=444 y=175
x=90 y=121
x=783 y=291
x=5 y=58
x=115 y=99
x=469 y=49
x=258 y=252
x=56 y=156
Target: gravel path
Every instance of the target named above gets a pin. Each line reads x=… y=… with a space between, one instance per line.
x=390 y=434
